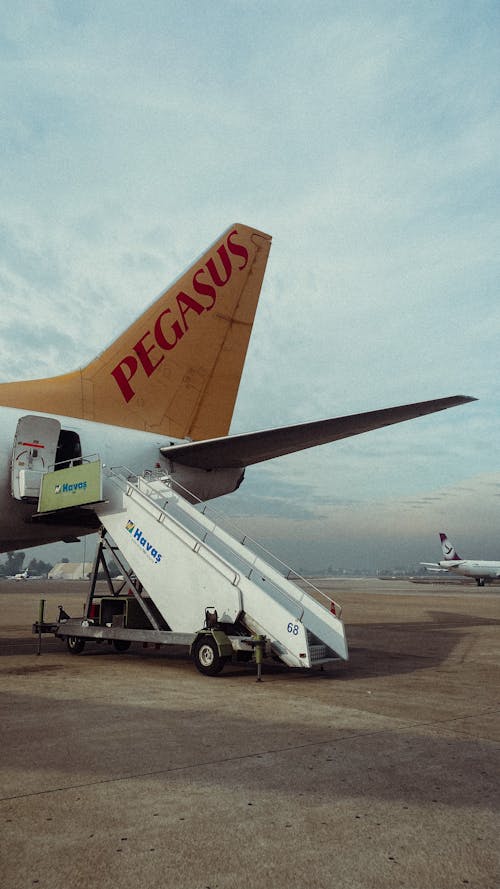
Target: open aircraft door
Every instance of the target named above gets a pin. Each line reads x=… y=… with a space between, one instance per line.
x=34 y=452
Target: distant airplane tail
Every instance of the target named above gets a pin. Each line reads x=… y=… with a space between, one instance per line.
x=176 y=370
x=449 y=552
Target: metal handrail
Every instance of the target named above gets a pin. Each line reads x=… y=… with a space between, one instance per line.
x=75 y=461
x=132 y=481
x=243 y=538
x=128 y=479
x=255 y=543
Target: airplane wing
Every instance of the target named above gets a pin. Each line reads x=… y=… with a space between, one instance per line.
x=238 y=451
x=433 y=566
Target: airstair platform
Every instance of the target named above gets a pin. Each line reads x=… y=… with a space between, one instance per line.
x=188 y=561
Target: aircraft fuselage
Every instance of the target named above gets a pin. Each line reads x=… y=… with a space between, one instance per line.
x=116 y=446
x=479 y=569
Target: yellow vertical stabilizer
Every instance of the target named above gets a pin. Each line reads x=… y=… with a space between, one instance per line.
x=176 y=370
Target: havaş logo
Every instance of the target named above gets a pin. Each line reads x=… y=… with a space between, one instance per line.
x=70 y=489
x=142 y=541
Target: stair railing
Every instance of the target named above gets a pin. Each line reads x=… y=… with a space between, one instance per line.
x=229 y=526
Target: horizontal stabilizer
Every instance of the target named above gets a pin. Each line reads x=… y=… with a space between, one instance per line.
x=238 y=451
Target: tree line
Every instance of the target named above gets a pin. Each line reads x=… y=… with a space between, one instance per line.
x=14 y=564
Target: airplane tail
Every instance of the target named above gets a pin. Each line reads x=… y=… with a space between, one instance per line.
x=176 y=370
x=449 y=552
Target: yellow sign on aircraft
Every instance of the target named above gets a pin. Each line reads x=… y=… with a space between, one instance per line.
x=74 y=486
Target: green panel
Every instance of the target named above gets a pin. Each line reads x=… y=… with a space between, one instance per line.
x=74 y=486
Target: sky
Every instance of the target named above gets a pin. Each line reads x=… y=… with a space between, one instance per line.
x=363 y=137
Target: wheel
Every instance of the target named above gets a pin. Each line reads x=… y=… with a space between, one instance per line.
x=75 y=644
x=206 y=656
x=121 y=644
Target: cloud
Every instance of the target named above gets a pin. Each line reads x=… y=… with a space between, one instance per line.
x=364 y=138
x=380 y=533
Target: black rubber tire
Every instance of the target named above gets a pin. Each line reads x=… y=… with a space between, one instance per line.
x=206 y=656
x=121 y=644
x=75 y=644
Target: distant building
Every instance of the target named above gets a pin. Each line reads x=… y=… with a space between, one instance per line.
x=70 y=571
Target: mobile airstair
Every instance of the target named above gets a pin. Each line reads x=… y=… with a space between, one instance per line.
x=196 y=572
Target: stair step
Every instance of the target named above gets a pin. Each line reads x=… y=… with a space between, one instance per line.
x=318 y=652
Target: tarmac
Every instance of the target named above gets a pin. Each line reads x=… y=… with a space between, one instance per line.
x=128 y=770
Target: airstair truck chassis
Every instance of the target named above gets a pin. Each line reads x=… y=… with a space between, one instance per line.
x=187 y=558
x=125 y=615
x=211 y=648
x=172 y=547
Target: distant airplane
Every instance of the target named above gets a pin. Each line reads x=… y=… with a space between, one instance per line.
x=160 y=397
x=25 y=575
x=481 y=571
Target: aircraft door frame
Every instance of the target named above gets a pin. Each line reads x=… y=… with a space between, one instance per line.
x=33 y=454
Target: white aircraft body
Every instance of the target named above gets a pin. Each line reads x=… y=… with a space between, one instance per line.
x=480 y=570
x=23 y=575
x=160 y=397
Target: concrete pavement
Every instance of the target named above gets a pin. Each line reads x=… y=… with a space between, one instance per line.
x=121 y=770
